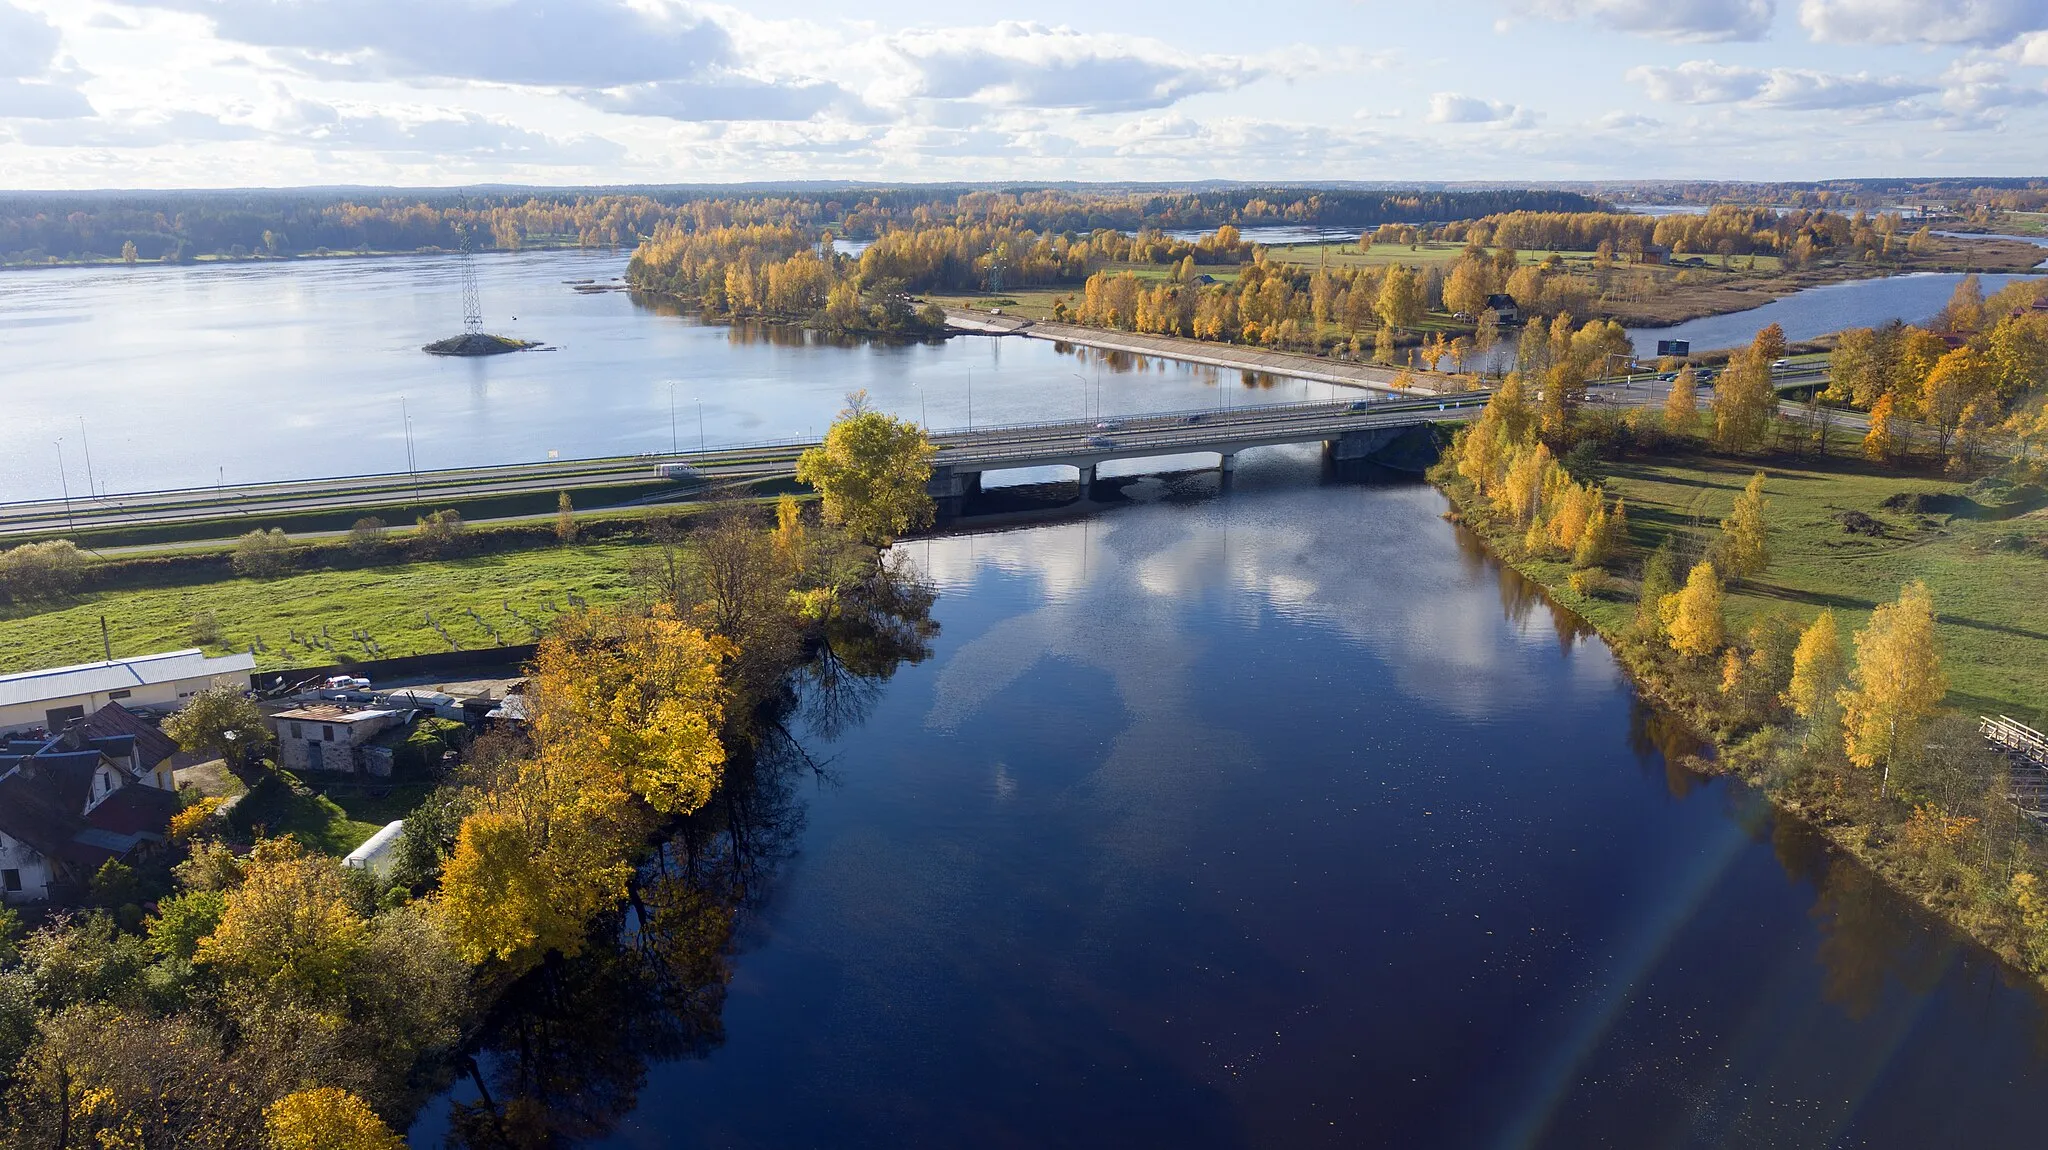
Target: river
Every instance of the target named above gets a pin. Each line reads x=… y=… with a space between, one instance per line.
x=240 y=373
x=1281 y=818
x=237 y=373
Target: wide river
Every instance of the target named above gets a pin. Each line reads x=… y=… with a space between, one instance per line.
x=246 y=372
x=1283 y=818
x=146 y=378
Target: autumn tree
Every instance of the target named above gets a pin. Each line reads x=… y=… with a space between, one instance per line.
x=1399 y=305
x=325 y=1118
x=221 y=721
x=1681 y=406
x=290 y=926
x=635 y=698
x=1744 y=548
x=1958 y=380
x=872 y=472
x=1817 y=678
x=1692 y=616
x=1744 y=401
x=542 y=855
x=565 y=518
x=1896 y=683
x=1883 y=443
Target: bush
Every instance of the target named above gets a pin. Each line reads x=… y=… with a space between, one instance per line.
x=41 y=570
x=261 y=554
x=205 y=630
x=366 y=537
x=1588 y=582
x=441 y=534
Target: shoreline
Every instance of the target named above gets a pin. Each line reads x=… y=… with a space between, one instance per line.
x=1721 y=759
x=1208 y=353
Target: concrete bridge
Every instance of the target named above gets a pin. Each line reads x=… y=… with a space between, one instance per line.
x=1350 y=430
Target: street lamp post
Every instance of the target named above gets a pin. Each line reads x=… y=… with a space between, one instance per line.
x=64 y=483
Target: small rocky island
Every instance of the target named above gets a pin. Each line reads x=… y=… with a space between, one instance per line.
x=477 y=343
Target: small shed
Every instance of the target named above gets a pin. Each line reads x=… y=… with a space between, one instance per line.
x=328 y=736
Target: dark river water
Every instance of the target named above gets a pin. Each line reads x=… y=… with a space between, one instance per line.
x=1282 y=817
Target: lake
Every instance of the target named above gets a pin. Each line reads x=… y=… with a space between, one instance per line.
x=239 y=373
x=1279 y=818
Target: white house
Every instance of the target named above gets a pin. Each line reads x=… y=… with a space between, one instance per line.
x=51 y=698
x=330 y=736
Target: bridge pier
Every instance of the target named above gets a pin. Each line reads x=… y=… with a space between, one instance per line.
x=1362 y=444
x=1228 y=462
x=1086 y=478
x=953 y=483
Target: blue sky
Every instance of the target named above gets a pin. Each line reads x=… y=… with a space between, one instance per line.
x=207 y=93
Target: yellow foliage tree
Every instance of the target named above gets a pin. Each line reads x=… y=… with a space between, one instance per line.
x=1882 y=442
x=543 y=855
x=1682 y=406
x=1896 y=683
x=1692 y=615
x=636 y=698
x=289 y=924
x=1523 y=489
x=1745 y=535
x=327 y=1118
x=872 y=472
x=1817 y=676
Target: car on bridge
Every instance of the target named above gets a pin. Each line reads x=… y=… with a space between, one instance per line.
x=1101 y=441
x=1195 y=418
x=1361 y=405
x=1107 y=425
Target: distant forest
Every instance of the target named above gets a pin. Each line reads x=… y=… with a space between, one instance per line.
x=68 y=227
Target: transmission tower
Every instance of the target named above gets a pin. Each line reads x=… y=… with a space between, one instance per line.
x=472 y=298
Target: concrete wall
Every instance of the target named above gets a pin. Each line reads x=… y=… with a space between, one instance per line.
x=295 y=753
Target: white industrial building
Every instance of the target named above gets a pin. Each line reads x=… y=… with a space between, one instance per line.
x=51 y=698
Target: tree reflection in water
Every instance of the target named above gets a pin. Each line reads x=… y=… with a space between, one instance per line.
x=564 y=1055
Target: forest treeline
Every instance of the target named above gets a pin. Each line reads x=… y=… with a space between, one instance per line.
x=45 y=227
x=1797 y=236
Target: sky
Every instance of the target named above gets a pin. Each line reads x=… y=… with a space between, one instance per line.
x=242 y=93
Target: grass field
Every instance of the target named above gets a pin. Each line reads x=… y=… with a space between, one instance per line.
x=1992 y=598
x=388 y=602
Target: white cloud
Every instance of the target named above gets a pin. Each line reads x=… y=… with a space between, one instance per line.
x=1689 y=21
x=565 y=43
x=31 y=87
x=2031 y=49
x=1790 y=89
x=1452 y=108
x=1984 y=22
x=730 y=98
x=1021 y=64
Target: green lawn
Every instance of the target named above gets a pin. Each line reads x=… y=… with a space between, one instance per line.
x=390 y=603
x=1992 y=599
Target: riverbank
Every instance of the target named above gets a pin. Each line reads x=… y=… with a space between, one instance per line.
x=1318 y=369
x=1942 y=837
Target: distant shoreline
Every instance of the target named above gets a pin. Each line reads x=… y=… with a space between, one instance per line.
x=296 y=258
